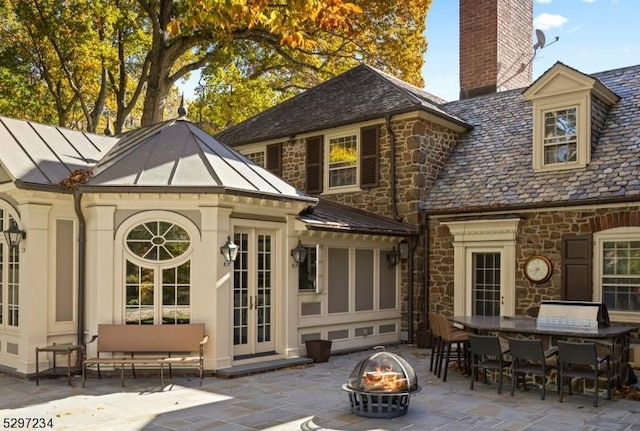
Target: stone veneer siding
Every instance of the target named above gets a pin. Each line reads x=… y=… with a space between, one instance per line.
x=539 y=232
x=422 y=148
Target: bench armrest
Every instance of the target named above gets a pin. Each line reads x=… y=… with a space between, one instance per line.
x=204 y=340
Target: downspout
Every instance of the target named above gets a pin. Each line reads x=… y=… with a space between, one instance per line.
x=425 y=230
x=412 y=249
x=397 y=217
x=77 y=200
x=392 y=156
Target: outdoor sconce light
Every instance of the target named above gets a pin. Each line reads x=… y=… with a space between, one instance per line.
x=13 y=236
x=299 y=253
x=229 y=251
x=393 y=257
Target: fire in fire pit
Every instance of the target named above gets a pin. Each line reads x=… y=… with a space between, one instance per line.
x=381 y=385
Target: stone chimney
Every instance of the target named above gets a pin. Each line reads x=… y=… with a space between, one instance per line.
x=496 y=48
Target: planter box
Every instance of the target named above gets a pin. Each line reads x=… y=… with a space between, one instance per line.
x=318 y=350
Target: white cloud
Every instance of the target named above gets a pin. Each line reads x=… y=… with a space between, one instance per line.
x=547 y=21
x=589 y=1
x=543 y=1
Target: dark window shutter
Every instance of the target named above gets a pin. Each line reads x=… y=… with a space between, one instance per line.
x=314 y=164
x=369 y=160
x=577 y=264
x=274 y=159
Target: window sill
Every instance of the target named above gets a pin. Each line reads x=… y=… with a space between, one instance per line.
x=340 y=190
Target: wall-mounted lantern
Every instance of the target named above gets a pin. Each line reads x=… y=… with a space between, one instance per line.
x=229 y=251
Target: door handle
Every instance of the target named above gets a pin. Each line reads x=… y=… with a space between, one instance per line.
x=251 y=303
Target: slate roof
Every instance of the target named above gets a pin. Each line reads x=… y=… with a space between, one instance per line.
x=332 y=216
x=35 y=153
x=176 y=156
x=360 y=94
x=491 y=166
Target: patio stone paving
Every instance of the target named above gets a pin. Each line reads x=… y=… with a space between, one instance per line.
x=308 y=398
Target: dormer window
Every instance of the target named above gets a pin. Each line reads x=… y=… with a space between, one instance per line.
x=567 y=106
x=560 y=144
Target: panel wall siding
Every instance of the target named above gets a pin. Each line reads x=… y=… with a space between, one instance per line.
x=64 y=270
x=338 y=282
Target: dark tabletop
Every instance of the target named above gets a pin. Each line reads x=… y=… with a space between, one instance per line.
x=527 y=325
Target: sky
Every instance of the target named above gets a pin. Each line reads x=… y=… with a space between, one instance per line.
x=594 y=36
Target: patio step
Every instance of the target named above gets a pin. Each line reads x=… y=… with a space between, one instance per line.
x=261 y=367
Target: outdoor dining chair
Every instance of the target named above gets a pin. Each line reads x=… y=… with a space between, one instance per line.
x=487 y=354
x=581 y=361
x=450 y=336
x=528 y=357
x=435 y=342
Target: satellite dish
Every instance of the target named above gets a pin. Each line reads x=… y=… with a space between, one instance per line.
x=541 y=40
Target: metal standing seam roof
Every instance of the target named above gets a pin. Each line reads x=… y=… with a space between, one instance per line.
x=332 y=216
x=176 y=156
x=45 y=155
x=359 y=94
x=173 y=156
x=491 y=166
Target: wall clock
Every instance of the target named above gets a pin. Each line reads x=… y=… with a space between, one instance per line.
x=538 y=269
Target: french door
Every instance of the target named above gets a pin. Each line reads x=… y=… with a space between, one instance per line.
x=486 y=288
x=253 y=293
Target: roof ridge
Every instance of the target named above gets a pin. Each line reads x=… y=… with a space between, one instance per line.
x=390 y=79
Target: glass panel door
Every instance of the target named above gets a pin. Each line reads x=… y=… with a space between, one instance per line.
x=252 y=293
x=486 y=296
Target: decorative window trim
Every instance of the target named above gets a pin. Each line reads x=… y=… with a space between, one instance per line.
x=599 y=238
x=122 y=254
x=481 y=236
x=582 y=104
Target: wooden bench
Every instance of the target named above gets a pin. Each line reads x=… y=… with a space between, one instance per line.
x=161 y=345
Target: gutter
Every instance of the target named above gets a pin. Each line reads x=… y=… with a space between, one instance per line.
x=481 y=210
x=204 y=190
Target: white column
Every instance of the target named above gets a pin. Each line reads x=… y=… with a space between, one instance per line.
x=34 y=277
x=212 y=288
x=99 y=284
x=290 y=289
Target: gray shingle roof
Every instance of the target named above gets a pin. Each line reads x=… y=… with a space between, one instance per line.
x=491 y=166
x=35 y=153
x=360 y=94
x=177 y=156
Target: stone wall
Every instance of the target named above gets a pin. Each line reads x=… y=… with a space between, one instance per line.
x=422 y=148
x=539 y=232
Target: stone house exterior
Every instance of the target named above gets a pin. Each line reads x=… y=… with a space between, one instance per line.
x=514 y=172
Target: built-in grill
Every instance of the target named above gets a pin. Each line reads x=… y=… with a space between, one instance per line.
x=380 y=386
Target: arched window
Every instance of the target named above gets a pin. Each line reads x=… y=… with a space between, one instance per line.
x=157 y=274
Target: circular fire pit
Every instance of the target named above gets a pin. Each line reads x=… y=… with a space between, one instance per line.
x=381 y=385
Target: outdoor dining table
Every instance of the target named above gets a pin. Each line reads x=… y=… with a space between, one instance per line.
x=614 y=337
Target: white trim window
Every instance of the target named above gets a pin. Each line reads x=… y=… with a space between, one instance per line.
x=617 y=272
x=560 y=141
x=561 y=134
x=342 y=156
x=157 y=274
x=257 y=157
